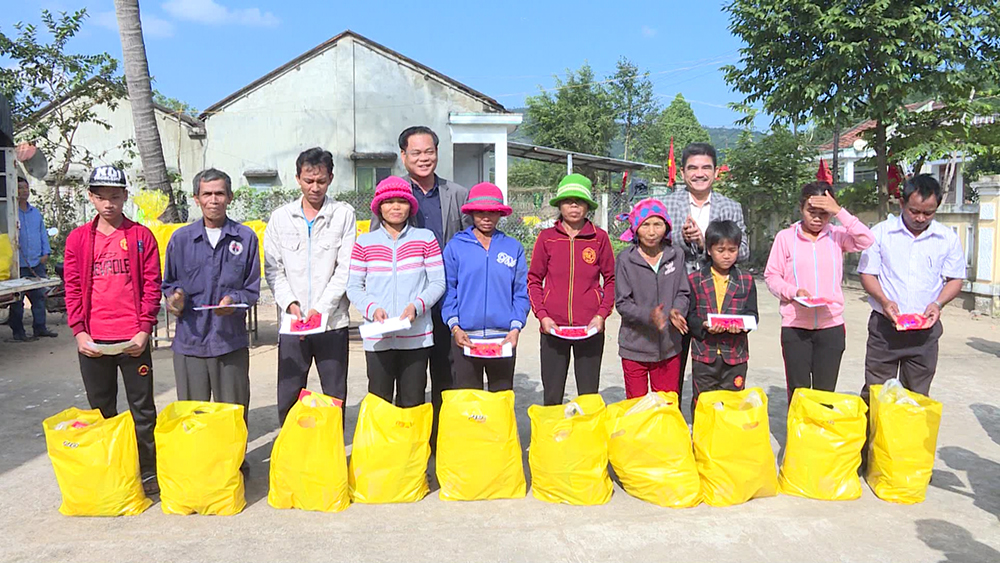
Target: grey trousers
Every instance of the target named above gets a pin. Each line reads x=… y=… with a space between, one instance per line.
x=224 y=379
x=911 y=355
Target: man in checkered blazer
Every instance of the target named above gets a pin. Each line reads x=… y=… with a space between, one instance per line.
x=692 y=209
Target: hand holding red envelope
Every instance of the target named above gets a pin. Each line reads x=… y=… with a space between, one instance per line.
x=912 y=321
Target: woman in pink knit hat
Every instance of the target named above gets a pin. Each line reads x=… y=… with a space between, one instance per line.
x=487 y=290
x=397 y=272
x=652 y=295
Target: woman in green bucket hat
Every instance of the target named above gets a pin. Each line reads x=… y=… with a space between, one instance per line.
x=571 y=284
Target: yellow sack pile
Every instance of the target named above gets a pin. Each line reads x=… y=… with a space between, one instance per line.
x=199 y=450
x=826 y=432
x=650 y=449
x=308 y=461
x=732 y=447
x=390 y=452
x=479 y=452
x=96 y=462
x=902 y=442
x=569 y=452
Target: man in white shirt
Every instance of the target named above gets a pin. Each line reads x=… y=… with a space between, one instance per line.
x=915 y=266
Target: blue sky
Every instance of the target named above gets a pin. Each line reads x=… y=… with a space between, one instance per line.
x=202 y=50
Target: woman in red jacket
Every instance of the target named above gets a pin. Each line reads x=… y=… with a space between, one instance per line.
x=571 y=283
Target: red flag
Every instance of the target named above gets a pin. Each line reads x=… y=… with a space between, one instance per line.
x=720 y=174
x=624 y=181
x=895 y=179
x=824 y=174
x=671 y=165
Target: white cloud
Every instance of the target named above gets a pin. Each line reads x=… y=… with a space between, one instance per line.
x=152 y=26
x=648 y=31
x=213 y=13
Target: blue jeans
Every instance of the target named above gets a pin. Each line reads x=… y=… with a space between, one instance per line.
x=37 y=298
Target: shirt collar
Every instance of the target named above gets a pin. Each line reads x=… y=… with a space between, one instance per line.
x=416 y=188
x=707 y=201
x=935 y=230
x=228 y=228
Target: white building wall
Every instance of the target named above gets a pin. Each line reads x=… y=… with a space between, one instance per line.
x=350 y=98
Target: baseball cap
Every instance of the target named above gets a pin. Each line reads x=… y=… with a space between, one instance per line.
x=107 y=176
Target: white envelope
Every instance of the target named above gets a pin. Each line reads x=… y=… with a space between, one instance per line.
x=372 y=330
x=211 y=307
x=286 y=326
x=749 y=323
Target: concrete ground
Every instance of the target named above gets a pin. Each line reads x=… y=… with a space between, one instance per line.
x=959 y=521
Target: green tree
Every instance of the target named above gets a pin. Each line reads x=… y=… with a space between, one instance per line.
x=676 y=121
x=53 y=93
x=174 y=104
x=766 y=175
x=632 y=99
x=816 y=59
x=578 y=117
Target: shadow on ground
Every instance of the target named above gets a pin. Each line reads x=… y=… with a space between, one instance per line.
x=985 y=346
x=989 y=419
x=983 y=475
x=954 y=542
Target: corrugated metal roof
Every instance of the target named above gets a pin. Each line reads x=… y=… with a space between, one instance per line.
x=547 y=154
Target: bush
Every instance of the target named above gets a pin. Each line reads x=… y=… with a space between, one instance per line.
x=256 y=204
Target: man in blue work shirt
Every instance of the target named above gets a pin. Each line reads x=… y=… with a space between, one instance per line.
x=33 y=247
x=212 y=262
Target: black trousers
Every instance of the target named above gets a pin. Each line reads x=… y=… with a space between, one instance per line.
x=812 y=357
x=715 y=376
x=295 y=357
x=912 y=355
x=440 y=360
x=401 y=371
x=100 y=379
x=554 y=354
x=468 y=372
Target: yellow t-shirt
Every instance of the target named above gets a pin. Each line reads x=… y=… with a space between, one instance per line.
x=721 y=284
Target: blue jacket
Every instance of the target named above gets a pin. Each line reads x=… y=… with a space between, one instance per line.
x=206 y=275
x=487 y=292
x=33 y=240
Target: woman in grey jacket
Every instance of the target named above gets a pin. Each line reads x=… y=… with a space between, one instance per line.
x=397 y=271
x=652 y=295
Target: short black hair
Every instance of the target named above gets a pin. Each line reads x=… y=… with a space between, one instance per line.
x=698 y=149
x=404 y=137
x=814 y=188
x=211 y=175
x=21 y=179
x=723 y=231
x=314 y=157
x=924 y=184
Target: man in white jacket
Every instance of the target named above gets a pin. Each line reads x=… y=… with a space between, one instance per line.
x=307 y=258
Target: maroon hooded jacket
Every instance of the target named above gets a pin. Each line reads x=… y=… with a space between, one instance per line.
x=564 y=280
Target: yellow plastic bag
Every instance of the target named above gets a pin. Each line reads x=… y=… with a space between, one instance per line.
x=902 y=444
x=479 y=452
x=6 y=256
x=650 y=448
x=390 y=452
x=258 y=227
x=826 y=432
x=568 y=456
x=732 y=447
x=162 y=232
x=308 y=461
x=199 y=450
x=96 y=462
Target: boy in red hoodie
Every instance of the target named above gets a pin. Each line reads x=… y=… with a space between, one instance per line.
x=571 y=282
x=112 y=271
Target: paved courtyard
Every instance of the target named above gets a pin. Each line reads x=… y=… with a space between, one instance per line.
x=959 y=521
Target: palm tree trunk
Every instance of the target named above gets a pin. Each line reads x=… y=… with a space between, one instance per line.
x=140 y=94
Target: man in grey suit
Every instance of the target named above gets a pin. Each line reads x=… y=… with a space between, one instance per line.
x=439 y=210
x=691 y=210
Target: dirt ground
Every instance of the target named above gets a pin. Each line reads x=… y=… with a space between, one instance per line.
x=959 y=521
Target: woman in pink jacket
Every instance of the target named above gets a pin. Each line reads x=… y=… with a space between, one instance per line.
x=804 y=271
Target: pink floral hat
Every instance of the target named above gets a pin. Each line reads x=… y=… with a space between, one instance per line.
x=650 y=207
